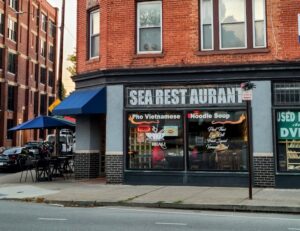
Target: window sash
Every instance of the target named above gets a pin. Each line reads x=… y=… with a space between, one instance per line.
x=204 y=24
x=11 y=67
x=255 y=21
x=94 y=34
x=139 y=27
x=221 y=35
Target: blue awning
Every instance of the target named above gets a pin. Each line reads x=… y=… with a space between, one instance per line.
x=83 y=102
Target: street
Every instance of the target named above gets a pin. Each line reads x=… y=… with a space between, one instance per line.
x=28 y=216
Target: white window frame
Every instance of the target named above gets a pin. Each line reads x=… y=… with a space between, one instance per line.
x=245 y=29
x=265 y=25
x=138 y=28
x=13 y=4
x=93 y=35
x=212 y=26
x=12 y=34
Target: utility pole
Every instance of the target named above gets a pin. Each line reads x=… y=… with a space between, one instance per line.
x=61 y=51
x=60 y=74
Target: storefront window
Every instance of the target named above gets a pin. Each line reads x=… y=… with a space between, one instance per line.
x=155 y=140
x=217 y=140
x=288 y=140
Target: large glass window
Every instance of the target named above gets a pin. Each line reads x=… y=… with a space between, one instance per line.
x=234 y=28
x=94 y=33
x=217 y=140
x=155 y=140
x=44 y=22
x=13 y=4
x=288 y=140
x=232 y=16
x=11 y=98
x=149 y=27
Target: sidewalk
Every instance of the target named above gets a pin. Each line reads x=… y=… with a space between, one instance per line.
x=96 y=193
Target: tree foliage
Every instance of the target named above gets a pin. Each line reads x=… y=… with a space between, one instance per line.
x=73 y=59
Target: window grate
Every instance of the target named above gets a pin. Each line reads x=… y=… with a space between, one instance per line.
x=286 y=93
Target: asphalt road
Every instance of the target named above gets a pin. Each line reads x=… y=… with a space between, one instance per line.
x=29 y=217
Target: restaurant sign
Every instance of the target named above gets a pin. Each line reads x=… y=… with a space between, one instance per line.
x=288 y=125
x=208 y=95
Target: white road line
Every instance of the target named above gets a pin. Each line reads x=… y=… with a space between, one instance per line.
x=293 y=228
x=165 y=223
x=51 y=219
x=206 y=214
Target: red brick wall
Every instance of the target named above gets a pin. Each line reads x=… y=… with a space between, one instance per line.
x=180 y=36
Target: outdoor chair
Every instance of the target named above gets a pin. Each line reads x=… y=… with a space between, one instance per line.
x=26 y=165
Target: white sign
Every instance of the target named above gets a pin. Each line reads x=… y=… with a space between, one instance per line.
x=185 y=96
x=247 y=95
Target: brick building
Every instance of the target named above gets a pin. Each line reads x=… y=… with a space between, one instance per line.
x=159 y=86
x=28 y=42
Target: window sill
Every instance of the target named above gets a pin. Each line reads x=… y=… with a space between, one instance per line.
x=233 y=52
x=150 y=55
x=93 y=60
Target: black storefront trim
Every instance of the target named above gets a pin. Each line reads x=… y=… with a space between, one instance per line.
x=220 y=179
x=285 y=71
x=185 y=176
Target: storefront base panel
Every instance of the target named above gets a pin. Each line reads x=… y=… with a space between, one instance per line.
x=263 y=168
x=114 y=169
x=179 y=178
x=287 y=181
x=86 y=165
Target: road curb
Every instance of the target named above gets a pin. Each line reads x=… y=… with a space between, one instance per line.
x=215 y=207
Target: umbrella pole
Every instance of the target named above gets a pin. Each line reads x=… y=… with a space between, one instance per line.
x=57 y=149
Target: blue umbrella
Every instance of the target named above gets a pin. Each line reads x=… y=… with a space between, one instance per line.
x=42 y=122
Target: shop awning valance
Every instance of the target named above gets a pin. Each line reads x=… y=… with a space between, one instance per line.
x=83 y=102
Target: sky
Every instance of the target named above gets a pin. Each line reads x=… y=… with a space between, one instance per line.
x=69 y=37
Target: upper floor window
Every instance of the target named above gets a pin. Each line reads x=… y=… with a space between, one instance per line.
x=44 y=22
x=43 y=48
x=149 y=27
x=94 y=34
x=43 y=72
x=11 y=98
x=1 y=23
x=13 y=4
x=51 y=53
x=12 y=30
x=52 y=29
x=1 y=58
x=11 y=65
x=232 y=28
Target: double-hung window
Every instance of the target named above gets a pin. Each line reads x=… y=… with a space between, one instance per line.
x=228 y=24
x=44 y=22
x=13 y=4
x=94 y=34
x=11 y=65
x=43 y=48
x=12 y=30
x=259 y=23
x=149 y=27
x=1 y=23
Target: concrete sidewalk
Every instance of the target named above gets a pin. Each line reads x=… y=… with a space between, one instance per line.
x=96 y=193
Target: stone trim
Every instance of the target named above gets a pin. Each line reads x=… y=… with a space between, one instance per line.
x=114 y=153
x=87 y=151
x=263 y=154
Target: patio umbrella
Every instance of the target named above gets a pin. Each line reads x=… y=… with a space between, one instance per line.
x=43 y=122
